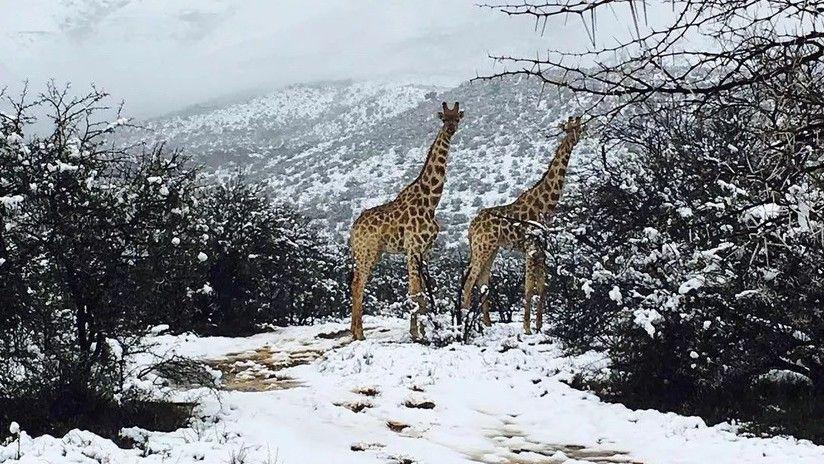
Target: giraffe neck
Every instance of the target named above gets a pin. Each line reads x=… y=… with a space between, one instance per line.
x=428 y=186
x=543 y=197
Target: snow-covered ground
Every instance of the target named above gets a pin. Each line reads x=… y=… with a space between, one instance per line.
x=308 y=395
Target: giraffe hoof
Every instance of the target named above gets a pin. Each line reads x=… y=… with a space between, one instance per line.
x=527 y=332
x=358 y=336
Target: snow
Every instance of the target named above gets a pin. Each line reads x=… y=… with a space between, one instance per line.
x=11 y=201
x=501 y=399
x=202 y=257
x=615 y=294
x=66 y=167
x=762 y=213
x=644 y=319
x=693 y=283
x=586 y=287
x=651 y=233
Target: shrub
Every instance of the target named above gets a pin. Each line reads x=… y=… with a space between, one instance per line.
x=79 y=225
x=261 y=263
x=695 y=255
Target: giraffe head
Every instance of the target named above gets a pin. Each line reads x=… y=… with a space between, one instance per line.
x=573 y=128
x=450 y=117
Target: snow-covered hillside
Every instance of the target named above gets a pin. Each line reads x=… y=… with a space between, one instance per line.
x=336 y=148
x=309 y=395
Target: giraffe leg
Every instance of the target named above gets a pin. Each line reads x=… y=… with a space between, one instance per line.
x=528 y=292
x=483 y=281
x=472 y=275
x=540 y=292
x=533 y=287
x=365 y=259
x=478 y=260
x=416 y=294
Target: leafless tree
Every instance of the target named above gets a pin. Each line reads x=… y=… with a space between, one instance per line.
x=734 y=39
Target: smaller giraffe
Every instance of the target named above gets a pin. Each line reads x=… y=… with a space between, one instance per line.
x=508 y=227
x=404 y=225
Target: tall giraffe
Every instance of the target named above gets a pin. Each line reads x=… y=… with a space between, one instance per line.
x=404 y=225
x=508 y=227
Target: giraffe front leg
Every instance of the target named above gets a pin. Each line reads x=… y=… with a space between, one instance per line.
x=416 y=294
x=366 y=257
x=540 y=292
x=480 y=265
x=358 y=285
x=529 y=293
x=533 y=288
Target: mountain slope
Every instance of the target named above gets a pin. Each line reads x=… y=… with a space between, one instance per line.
x=336 y=148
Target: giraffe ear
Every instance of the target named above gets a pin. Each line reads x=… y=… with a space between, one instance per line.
x=440 y=115
x=460 y=114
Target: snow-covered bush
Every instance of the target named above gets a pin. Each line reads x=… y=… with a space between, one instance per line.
x=98 y=243
x=262 y=263
x=80 y=223
x=695 y=252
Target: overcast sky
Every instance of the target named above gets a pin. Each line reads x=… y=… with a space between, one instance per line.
x=162 y=55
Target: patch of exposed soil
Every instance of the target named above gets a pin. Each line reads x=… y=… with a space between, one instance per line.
x=396 y=426
x=515 y=447
x=366 y=446
x=355 y=406
x=367 y=391
x=258 y=370
x=419 y=404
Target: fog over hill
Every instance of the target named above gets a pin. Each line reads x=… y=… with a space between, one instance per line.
x=336 y=148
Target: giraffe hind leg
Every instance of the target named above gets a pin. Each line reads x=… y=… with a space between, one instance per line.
x=483 y=281
x=366 y=257
x=478 y=261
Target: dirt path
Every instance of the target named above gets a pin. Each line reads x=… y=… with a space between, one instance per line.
x=262 y=370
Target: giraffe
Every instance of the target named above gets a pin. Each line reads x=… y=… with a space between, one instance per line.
x=491 y=230
x=404 y=225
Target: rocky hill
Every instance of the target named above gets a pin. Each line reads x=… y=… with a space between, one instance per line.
x=336 y=148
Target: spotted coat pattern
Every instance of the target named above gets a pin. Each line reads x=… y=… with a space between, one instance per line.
x=404 y=225
x=508 y=227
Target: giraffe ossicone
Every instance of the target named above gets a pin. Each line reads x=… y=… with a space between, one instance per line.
x=404 y=225
x=511 y=226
